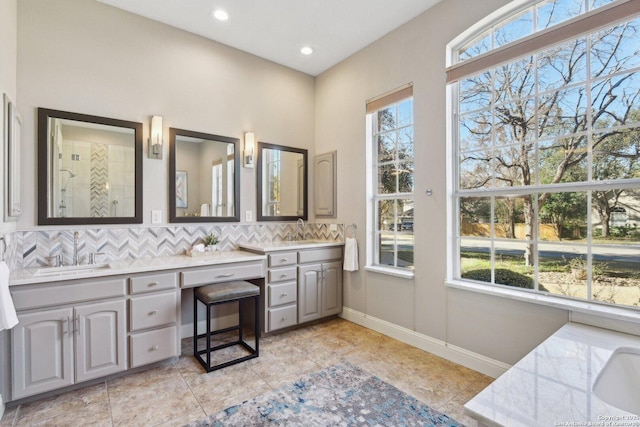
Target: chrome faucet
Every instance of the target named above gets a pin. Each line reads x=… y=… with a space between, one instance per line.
x=75 y=248
x=300 y=227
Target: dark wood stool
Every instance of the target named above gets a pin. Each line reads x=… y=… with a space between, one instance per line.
x=223 y=293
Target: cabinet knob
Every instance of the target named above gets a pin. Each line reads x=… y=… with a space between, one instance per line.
x=153 y=284
x=152 y=312
x=154 y=348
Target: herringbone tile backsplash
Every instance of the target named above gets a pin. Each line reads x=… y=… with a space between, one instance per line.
x=32 y=248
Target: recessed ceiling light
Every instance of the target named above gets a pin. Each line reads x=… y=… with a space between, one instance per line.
x=307 y=50
x=220 y=14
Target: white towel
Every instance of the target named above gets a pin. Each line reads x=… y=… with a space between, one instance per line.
x=204 y=209
x=8 y=318
x=350 y=254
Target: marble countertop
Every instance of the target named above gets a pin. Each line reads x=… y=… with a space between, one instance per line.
x=293 y=244
x=552 y=385
x=29 y=276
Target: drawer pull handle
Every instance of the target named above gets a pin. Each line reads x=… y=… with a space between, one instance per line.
x=284 y=294
x=152 y=312
x=227 y=275
x=154 y=348
x=153 y=284
x=284 y=319
x=284 y=275
x=65 y=322
x=284 y=260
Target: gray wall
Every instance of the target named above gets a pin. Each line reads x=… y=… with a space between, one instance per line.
x=111 y=63
x=494 y=327
x=8 y=60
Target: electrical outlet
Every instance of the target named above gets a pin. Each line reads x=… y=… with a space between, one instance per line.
x=248 y=216
x=156 y=217
x=333 y=227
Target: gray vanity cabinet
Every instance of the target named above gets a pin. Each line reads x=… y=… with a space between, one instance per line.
x=301 y=285
x=319 y=290
x=59 y=347
x=154 y=310
x=42 y=352
x=281 y=293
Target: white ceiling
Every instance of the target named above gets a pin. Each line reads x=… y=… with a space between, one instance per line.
x=277 y=29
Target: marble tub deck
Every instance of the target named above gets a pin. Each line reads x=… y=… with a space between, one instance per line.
x=179 y=391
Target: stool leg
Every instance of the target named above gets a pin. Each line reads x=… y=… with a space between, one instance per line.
x=256 y=326
x=195 y=323
x=240 y=320
x=208 y=337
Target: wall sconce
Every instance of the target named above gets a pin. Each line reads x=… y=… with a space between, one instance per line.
x=249 y=149
x=155 y=140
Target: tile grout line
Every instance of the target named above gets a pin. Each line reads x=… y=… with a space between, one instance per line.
x=106 y=384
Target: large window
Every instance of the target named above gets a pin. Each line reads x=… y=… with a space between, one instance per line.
x=391 y=128
x=546 y=136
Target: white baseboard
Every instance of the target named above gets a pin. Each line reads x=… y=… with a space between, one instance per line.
x=469 y=359
x=1 y=407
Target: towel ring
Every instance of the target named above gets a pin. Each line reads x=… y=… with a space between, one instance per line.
x=353 y=228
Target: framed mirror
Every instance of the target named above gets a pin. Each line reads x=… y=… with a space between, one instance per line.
x=282 y=183
x=204 y=177
x=89 y=169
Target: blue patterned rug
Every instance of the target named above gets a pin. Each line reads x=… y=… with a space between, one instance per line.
x=342 y=395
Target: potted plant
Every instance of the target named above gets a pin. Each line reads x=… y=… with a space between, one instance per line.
x=210 y=241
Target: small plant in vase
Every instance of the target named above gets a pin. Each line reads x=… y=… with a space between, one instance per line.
x=210 y=241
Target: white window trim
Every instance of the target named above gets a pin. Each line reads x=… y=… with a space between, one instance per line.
x=452 y=227
x=555 y=301
x=403 y=273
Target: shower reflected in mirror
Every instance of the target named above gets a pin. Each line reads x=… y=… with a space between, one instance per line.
x=62 y=206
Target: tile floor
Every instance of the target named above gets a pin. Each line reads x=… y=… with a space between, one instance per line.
x=179 y=391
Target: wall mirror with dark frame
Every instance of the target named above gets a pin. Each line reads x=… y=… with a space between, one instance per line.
x=282 y=182
x=204 y=177
x=89 y=169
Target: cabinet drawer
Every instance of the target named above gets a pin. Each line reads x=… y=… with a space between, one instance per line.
x=281 y=294
x=281 y=259
x=25 y=298
x=149 y=311
x=222 y=273
x=282 y=317
x=321 y=254
x=153 y=346
x=152 y=282
x=282 y=275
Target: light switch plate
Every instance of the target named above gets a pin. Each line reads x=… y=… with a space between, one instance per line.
x=248 y=216
x=156 y=216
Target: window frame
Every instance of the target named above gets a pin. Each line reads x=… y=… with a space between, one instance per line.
x=502 y=55
x=392 y=98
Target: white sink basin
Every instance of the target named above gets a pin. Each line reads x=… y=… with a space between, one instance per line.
x=71 y=269
x=618 y=383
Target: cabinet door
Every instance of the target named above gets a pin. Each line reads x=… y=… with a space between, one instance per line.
x=42 y=352
x=331 y=288
x=100 y=331
x=325 y=184
x=309 y=301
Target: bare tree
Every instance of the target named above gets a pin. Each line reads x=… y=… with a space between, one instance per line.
x=543 y=98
